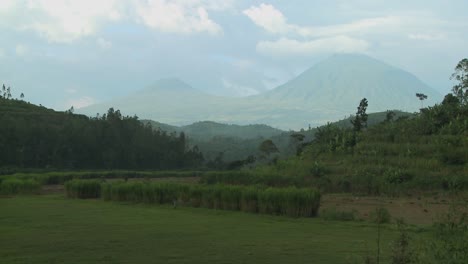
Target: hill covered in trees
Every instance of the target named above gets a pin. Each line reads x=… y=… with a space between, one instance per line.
x=33 y=136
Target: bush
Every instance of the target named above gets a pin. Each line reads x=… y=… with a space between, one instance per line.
x=380 y=216
x=19 y=186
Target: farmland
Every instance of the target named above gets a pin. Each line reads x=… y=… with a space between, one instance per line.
x=53 y=229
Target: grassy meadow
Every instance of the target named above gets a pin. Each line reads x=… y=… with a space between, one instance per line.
x=53 y=229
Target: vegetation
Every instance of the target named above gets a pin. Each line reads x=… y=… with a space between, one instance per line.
x=83 y=189
x=290 y=201
x=18 y=186
x=36 y=137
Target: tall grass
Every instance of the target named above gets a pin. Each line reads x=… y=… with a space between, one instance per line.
x=83 y=189
x=19 y=186
x=292 y=201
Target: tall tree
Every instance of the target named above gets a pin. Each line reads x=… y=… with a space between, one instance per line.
x=421 y=97
x=360 y=121
x=461 y=75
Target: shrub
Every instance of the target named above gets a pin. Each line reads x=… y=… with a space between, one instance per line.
x=380 y=216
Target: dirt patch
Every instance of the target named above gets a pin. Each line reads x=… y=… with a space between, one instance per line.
x=414 y=210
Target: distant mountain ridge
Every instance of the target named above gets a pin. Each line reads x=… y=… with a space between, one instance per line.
x=206 y=130
x=328 y=91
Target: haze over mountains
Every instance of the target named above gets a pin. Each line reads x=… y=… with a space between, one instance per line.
x=326 y=92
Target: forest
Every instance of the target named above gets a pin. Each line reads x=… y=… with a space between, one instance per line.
x=35 y=137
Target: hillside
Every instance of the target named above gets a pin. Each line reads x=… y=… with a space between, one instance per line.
x=425 y=152
x=326 y=92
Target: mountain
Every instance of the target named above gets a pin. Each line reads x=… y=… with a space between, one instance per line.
x=328 y=91
x=207 y=130
x=340 y=82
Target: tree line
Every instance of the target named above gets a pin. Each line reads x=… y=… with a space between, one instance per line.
x=36 y=137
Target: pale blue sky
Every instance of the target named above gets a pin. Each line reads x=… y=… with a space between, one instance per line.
x=61 y=53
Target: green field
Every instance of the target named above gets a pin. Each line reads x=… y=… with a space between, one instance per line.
x=53 y=229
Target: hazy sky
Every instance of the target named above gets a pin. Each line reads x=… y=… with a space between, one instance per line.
x=61 y=53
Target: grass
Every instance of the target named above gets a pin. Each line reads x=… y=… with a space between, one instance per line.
x=52 y=229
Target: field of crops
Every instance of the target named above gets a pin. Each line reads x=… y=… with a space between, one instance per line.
x=291 y=201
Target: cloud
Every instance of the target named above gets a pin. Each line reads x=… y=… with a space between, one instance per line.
x=80 y=102
x=354 y=36
x=272 y=20
x=269 y=18
x=177 y=16
x=104 y=44
x=285 y=46
x=21 y=50
x=65 y=21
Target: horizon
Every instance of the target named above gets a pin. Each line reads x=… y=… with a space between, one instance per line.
x=64 y=53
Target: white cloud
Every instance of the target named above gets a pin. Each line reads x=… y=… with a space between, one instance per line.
x=338 y=44
x=354 y=36
x=188 y=16
x=67 y=20
x=272 y=20
x=64 y=21
x=80 y=102
x=269 y=18
x=21 y=50
x=6 y=4
x=104 y=44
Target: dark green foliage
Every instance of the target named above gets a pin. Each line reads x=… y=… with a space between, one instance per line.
x=460 y=90
x=36 y=137
x=83 y=189
x=360 y=120
x=19 y=186
x=294 y=202
x=268 y=147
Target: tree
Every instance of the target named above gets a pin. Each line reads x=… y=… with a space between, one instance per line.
x=360 y=121
x=268 y=147
x=461 y=75
x=22 y=96
x=421 y=97
x=389 y=116
x=8 y=93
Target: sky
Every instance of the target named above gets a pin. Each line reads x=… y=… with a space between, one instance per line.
x=63 y=53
